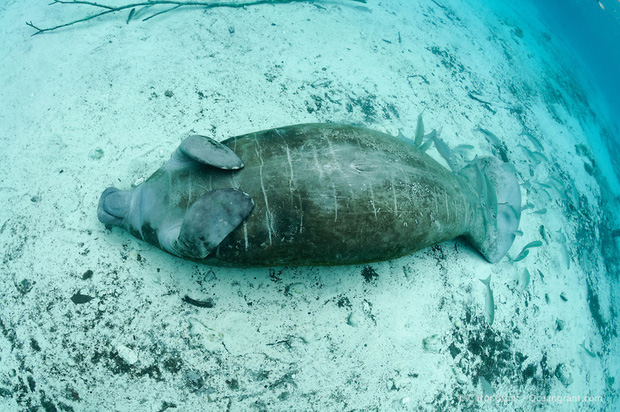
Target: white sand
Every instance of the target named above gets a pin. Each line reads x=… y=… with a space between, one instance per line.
x=280 y=339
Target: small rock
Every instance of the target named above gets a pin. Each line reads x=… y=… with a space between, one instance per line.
x=195 y=380
x=559 y=324
x=295 y=289
x=432 y=344
x=232 y=384
x=127 y=354
x=562 y=372
x=96 y=153
x=352 y=320
x=461 y=378
x=204 y=335
x=79 y=299
x=231 y=29
x=392 y=130
x=24 y=286
x=210 y=276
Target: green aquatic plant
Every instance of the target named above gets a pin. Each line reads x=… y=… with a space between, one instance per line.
x=106 y=9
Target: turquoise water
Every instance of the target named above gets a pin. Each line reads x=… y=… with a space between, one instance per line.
x=593 y=32
x=94 y=319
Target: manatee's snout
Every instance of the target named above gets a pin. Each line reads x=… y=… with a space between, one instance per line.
x=113 y=206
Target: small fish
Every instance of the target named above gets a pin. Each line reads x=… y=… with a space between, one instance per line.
x=433 y=133
x=401 y=136
x=558 y=184
x=525 y=251
x=536 y=243
x=419 y=130
x=490 y=136
x=546 y=192
x=487 y=390
x=565 y=254
x=491 y=198
x=540 y=211
x=560 y=237
x=524 y=281
x=131 y=13
x=530 y=154
x=488 y=298
x=430 y=138
x=540 y=157
x=522 y=255
x=543 y=232
x=427 y=144
x=588 y=351
x=463 y=148
x=534 y=140
x=481 y=183
x=446 y=153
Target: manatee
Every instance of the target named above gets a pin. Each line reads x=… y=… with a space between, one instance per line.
x=315 y=194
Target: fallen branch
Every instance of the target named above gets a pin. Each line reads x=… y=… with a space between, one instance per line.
x=145 y=4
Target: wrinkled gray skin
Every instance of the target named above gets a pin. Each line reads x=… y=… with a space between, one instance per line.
x=311 y=194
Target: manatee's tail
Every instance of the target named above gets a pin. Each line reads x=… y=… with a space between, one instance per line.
x=500 y=195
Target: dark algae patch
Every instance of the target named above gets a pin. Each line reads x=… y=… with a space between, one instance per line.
x=369 y=274
x=481 y=351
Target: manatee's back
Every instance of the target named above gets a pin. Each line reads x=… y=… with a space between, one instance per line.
x=336 y=194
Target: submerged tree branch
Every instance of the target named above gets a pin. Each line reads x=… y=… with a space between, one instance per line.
x=145 y=4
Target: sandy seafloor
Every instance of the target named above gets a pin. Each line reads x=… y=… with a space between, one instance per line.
x=105 y=103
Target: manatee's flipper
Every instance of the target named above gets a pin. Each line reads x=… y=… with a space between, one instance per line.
x=210 y=152
x=206 y=151
x=210 y=219
x=500 y=195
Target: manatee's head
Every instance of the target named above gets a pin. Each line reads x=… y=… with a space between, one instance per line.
x=113 y=206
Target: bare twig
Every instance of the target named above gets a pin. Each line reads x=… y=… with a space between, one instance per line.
x=176 y=5
x=162 y=12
